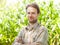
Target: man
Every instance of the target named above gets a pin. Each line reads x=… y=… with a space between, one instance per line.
x=34 y=33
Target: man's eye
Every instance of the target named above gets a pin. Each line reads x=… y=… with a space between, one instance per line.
x=28 y=13
x=33 y=13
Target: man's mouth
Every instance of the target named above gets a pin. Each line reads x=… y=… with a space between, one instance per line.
x=31 y=18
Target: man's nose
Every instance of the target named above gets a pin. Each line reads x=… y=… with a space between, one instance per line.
x=30 y=15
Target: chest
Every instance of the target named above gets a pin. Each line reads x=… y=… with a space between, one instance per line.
x=30 y=36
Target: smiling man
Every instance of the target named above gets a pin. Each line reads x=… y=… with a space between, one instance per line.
x=34 y=33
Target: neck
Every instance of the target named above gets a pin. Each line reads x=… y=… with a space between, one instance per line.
x=32 y=23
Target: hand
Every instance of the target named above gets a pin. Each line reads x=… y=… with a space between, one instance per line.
x=16 y=43
x=19 y=40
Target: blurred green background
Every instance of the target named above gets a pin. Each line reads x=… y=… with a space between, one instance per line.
x=13 y=18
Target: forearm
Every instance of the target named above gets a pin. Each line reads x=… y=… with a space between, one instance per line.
x=34 y=43
x=19 y=41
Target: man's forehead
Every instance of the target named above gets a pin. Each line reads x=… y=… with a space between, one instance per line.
x=31 y=9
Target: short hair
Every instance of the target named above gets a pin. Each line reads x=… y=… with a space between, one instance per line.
x=34 y=5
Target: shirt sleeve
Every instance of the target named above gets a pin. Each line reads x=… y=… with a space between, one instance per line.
x=18 y=40
x=42 y=37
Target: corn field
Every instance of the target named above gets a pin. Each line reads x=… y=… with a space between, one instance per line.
x=13 y=18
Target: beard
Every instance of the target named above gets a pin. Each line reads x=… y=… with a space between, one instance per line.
x=32 y=22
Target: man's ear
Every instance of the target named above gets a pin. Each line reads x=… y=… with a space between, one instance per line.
x=38 y=14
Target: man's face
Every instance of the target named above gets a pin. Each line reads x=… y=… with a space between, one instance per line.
x=32 y=14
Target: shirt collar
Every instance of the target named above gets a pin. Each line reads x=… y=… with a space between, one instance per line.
x=31 y=27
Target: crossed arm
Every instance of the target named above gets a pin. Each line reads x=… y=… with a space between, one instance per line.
x=18 y=41
x=40 y=40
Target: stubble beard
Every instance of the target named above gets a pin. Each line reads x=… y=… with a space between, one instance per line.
x=32 y=22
